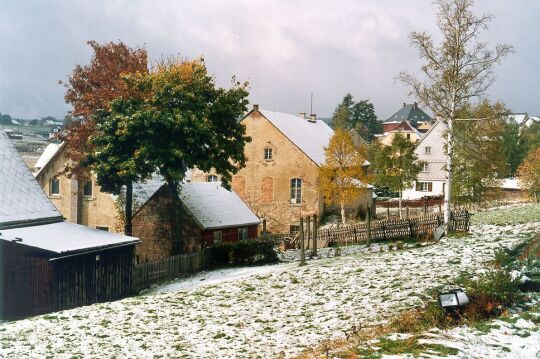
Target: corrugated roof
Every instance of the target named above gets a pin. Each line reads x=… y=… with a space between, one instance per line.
x=47 y=155
x=212 y=206
x=409 y=112
x=22 y=201
x=310 y=137
x=65 y=237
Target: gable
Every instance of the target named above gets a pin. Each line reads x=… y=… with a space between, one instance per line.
x=310 y=137
x=22 y=201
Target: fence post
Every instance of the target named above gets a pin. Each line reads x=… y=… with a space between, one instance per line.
x=308 y=227
x=369 y=226
x=425 y=205
x=388 y=211
x=302 y=249
x=315 y=235
x=411 y=232
x=264 y=226
x=407 y=210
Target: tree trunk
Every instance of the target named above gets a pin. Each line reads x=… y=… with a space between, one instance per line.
x=128 y=225
x=343 y=211
x=176 y=220
x=399 y=203
x=449 y=156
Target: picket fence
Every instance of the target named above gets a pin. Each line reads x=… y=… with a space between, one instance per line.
x=391 y=229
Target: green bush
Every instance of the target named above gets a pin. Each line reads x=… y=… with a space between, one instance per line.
x=242 y=252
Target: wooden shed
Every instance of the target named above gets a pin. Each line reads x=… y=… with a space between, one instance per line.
x=47 y=264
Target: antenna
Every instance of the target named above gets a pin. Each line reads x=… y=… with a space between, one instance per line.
x=311 y=106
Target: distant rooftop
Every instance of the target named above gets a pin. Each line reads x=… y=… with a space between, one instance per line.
x=409 y=112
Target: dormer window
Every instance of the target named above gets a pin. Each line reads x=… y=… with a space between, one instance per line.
x=425 y=167
x=211 y=178
x=427 y=150
x=268 y=154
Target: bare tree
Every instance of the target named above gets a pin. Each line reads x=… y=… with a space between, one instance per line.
x=455 y=71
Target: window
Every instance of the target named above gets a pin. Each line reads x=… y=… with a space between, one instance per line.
x=102 y=228
x=424 y=186
x=408 y=136
x=296 y=191
x=425 y=167
x=54 y=187
x=87 y=190
x=211 y=178
x=268 y=154
x=427 y=150
x=218 y=236
x=242 y=233
x=294 y=228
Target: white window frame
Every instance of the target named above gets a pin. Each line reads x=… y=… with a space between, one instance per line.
x=218 y=236
x=427 y=150
x=424 y=186
x=268 y=154
x=243 y=233
x=51 y=192
x=211 y=178
x=425 y=167
x=296 y=191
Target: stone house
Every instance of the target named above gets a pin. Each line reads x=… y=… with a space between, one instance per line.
x=432 y=153
x=281 y=178
x=218 y=215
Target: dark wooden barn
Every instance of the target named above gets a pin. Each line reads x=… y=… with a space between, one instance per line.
x=47 y=264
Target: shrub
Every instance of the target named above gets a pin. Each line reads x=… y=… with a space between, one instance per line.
x=242 y=252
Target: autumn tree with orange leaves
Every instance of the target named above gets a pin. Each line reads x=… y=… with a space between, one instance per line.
x=529 y=173
x=343 y=177
x=91 y=88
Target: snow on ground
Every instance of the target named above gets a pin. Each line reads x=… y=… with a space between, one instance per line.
x=515 y=336
x=246 y=313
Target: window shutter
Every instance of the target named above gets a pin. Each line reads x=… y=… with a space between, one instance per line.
x=430 y=186
x=418 y=186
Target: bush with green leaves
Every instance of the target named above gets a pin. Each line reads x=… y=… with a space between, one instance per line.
x=242 y=252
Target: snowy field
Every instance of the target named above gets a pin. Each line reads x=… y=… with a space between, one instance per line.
x=265 y=312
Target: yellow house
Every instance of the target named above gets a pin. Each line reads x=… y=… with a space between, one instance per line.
x=78 y=201
x=281 y=178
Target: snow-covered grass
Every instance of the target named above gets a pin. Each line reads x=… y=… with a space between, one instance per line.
x=280 y=310
x=508 y=215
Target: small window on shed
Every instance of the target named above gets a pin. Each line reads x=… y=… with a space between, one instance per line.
x=87 y=190
x=268 y=154
x=211 y=178
x=242 y=233
x=54 y=187
x=218 y=237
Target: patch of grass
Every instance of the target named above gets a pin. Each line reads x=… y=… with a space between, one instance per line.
x=219 y=335
x=410 y=346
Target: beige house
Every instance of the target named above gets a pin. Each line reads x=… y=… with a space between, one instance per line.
x=78 y=201
x=281 y=178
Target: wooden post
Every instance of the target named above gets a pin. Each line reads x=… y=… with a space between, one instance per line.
x=407 y=211
x=388 y=211
x=302 y=249
x=440 y=209
x=369 y=226
x=264 y=226
x=315 y=229
x=425 y=205
x=308 y=227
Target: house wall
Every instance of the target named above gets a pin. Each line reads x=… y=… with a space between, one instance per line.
x=264 y=185
x=98 y=210
x=228 y=234
x=436 y=161
x=388 y=137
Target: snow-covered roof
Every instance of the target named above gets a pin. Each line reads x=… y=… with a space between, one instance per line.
x=65 y=237
x=510 y=183
x=22 y=201
x=142 y=191
x=310 y=137
x=47 y=155
x=519 y=118
x=212 y=206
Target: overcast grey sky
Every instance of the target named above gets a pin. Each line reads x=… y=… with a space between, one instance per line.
x=286 y=49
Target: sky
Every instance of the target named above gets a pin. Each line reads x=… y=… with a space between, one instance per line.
x=285 y=49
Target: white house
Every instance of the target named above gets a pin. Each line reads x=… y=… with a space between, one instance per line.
x=432 y=153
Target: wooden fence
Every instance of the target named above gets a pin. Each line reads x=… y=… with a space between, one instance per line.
x=394 y=228
x=148 y=273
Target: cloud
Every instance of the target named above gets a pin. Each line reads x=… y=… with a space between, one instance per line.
x=286 y=49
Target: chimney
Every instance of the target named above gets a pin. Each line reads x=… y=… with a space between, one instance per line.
x=256 y=108
x=404 y=104
x=302 y=114
x=415 y=105
x=312 y=118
